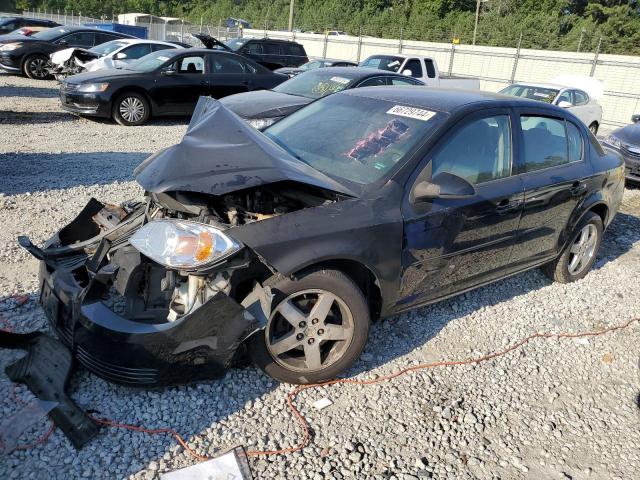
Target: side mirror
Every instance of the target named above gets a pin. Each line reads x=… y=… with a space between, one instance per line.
x=564 y=104
x=635 y=118
x=120 y=56
x=407 y=72
x=167 y=73
x=443 y=185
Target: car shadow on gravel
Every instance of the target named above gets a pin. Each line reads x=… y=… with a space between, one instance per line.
x=41 y=172
x=29 y=92
x=10 y=117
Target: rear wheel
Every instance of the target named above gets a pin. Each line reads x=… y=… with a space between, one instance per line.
x=580 y=254
x=37 y=67
x=318 y=327
x=594 y=128
x=131 y=109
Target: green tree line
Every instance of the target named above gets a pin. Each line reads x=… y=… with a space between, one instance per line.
x=544 y=24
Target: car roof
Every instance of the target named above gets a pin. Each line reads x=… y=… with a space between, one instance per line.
x=442 y=99
x=133 y=41
x=267 y=39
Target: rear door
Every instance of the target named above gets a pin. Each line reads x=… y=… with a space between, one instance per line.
x=555 y=175
x=132 y=53
x=451 y=244
x=229 y=74
x=177 y=87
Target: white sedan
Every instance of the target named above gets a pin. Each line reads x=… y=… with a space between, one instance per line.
x=113 y=54
x=577 y=101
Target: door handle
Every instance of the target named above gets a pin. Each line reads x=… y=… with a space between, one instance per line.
x=203 y=83
x=577 y=188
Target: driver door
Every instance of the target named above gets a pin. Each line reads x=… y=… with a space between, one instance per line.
x=452 y=244
x=178 y=86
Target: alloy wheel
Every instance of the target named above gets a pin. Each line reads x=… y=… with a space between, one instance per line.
x=309 y=330
x=583 y=249
x=131 y=109
x=38 y=68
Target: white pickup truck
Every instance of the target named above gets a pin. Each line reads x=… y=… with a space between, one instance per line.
x=423 y=68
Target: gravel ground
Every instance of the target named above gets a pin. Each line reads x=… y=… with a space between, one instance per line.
x=555 y=409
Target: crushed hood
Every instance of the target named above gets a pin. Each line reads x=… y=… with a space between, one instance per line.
x=220 y=154
x=264 y=103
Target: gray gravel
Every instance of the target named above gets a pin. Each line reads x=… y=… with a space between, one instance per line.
x=556 y=409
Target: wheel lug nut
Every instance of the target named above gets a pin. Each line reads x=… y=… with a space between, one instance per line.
x=320 y=332
x=311 y=340
x=302 y=324
x=314 y=321
x=300 y=336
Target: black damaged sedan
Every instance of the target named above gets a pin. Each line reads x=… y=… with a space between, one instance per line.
x=285 y=245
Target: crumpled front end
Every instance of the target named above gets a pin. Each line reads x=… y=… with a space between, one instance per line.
x=71 y=61
x=132 y=321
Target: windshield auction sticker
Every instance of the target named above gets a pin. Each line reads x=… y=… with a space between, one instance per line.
x=411 y=112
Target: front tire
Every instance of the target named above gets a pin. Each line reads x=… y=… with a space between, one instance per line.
x=37 y=67
x=131 y=109
x=318 y=327
x=579 y=255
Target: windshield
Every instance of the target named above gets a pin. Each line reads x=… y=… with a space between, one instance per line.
x=150 y=62
x=235 y=43
x=108 y=47
x=383 y=62
x=315 y=84
x=542 y=94
x=51 y=33
x=355 y=138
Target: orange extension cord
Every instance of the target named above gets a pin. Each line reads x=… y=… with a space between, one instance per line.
x=291 y=396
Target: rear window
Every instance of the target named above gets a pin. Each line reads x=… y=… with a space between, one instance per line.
x=541 y=94
x=383 y=62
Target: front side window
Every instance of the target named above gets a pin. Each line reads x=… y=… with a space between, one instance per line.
x=545 y=143
x=565 y=97
x=368 y=137
x=479 y=152
x=193 y=64
x=580 y=98
x=374 y=82
x=225 y=64
x=78 y=39
x=402 y=81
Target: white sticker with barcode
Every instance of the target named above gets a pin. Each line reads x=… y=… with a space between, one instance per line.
x=341 y=80
x=411 y=112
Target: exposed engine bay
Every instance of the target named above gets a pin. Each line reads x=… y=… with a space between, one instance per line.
x=146 y=291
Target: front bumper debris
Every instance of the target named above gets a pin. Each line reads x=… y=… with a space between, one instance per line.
x=75 y=284
x=45 y=370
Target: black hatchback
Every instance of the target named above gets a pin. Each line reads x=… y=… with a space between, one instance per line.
x=30 y=55
x=271 y=53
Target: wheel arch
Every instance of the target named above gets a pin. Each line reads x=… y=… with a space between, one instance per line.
x=136 y=89
x=363 y=276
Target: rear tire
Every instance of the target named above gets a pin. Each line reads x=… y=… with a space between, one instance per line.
x=324 y=331
x=579 y=254
x=131 y=109
x=37 y=67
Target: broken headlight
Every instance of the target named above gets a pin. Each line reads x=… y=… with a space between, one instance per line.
x=183 y=244
x=8 y=47
x=93 y=87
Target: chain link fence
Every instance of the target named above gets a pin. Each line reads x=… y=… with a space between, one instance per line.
x=496 y=67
